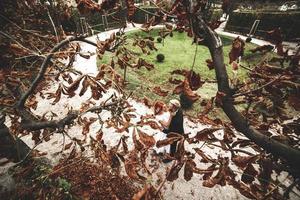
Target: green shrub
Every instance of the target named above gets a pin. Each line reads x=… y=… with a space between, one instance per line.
x=160 y=57
x=159 y=39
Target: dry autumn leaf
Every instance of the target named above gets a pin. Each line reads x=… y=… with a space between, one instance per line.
x=158 y=107
x=173 y=174
x=157 y=90
x=146 y=139
x=167 y=141
x=189 y=169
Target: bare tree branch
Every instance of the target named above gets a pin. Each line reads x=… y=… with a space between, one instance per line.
x=56 y=124
x=39 y=77
x=258 y=89
x=291 y=155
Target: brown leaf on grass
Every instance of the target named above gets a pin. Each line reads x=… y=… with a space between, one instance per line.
x=46 y=134
x=32 y=102
x=173 y=174
x=141 y=62
x=180 y=72
x=266 y=167
x=86 y=123
x=74 y=86
x=188 y=92
x=204 y=134
x=157 y=90
x=228 y=135
x=114 y=160
x=99 y=135
x=235 y=66
x=73 y=153
x=152 y=124
x=205 y=158
x=146 y=139
x=167 y=141
x=249 y=174
x=243 y=189
x=36 y=137
x=131 y=164
x=237 y=49
x=146 y=193
x=174 y=81
x=179 y=88
x=137 y=144
x=180 y=151
x=208 y=106
x=68 y=146
x=147 y=102
x=241 y=143
x=140 y=194
x=243 y=161
x=207 y=172
x=169 y=26
x=194 y=80
x=124 y=145
x=158 y=107
x=218 y=179
x=85 y=84
x=96 y=87
x=189 y=169
x=56 y=95
x=206 y=120
x=124 y=126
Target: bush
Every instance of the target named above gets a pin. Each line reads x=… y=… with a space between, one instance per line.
x=159 y=39
x=160 y=57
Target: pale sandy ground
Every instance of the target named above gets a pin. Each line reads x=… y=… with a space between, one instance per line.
x=179 y=189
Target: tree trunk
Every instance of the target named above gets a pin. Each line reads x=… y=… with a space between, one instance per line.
x=291 y=155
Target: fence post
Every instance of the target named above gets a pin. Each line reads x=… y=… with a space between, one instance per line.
x=254 y=28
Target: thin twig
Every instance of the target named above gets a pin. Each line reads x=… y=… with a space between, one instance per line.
x=195 y=55
x=258 y=89
x=165 y=179
x=28 y=154
x=53 y=25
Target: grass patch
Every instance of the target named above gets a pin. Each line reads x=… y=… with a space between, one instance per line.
x=179 y=54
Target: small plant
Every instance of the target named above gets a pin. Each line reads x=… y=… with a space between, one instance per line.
x=159 y=39
x=160 y=57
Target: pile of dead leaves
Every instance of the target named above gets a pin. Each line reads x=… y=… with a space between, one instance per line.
x=74 y=178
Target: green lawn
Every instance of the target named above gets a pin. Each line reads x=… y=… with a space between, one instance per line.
x=179 y=54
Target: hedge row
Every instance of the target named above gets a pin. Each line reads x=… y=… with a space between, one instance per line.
x=289 y=23
x=96 y=19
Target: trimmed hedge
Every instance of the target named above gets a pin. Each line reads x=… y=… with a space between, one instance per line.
x=289 y=23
